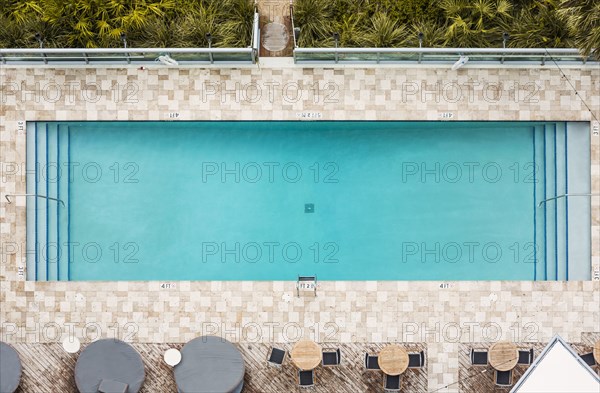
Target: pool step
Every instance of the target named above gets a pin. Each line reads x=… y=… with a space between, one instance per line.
x=553 y=173
x=563 y=167
x=48 y=220
x=62 y=192
x=539 y=254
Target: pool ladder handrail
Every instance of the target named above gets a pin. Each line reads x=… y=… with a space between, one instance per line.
x=565 y=196
x=35 y=195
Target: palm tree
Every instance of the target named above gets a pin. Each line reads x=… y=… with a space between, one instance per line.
x=384 y=32
x=433 y=34
x=100 y=23
x=477 y=23
x=583 y=18
x=313 y=18
x=540 y=26
x=350 y=29
x=237 y=17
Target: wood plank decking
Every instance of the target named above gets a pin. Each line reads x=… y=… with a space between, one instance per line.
x=47 y=368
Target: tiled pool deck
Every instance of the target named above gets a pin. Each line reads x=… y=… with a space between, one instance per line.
x=444 y=317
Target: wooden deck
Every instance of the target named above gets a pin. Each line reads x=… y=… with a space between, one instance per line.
x=48 y=368
x=278 y=12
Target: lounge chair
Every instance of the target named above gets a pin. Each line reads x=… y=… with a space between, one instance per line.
x=306 y=378
x=525 y=357
x=479 y=358
x=276 y=356
x=331 y=358
x=416 y=360
x=589 y=359
x=392 y=383
x=503 y=378
x=371 y=362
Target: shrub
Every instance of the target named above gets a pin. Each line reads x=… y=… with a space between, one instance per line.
x=450 y=23
x=99 y=23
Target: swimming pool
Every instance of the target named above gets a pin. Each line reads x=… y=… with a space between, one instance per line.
x=342 y=200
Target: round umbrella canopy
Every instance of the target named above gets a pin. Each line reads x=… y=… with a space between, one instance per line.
x=10 y=369
x=112 y=362
x=210 y=365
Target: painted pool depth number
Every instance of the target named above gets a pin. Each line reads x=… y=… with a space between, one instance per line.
x=307 y=285
x=168 y=285
x=20 y=127
x=309 y=115
x=447 y=115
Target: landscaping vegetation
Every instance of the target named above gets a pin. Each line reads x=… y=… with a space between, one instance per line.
x=145 y=23
x=360 y=23
x=450 y=23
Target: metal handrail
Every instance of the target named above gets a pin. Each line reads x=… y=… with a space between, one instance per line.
x=565 y=196
x=35 y=195
x=4 y=51
x=499 y=51
x=493 y=55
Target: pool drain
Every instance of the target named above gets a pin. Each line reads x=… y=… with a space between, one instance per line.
x=309 y=208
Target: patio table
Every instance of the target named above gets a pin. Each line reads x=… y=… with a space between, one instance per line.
x=306 y=354
x=503 y=355
x=393 y=359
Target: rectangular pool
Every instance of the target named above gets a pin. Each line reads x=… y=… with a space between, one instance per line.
x=342 y=200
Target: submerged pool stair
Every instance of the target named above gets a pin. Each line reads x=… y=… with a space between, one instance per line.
x=48 y=221
x=558 y=222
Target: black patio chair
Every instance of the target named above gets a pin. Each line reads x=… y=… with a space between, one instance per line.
x=479 y=358
x=392 y=383
x=371 y=362
x=503 y=378
x=332 y=358
x=276 y=357
x=589 y=359
x=525 y=357
x=416 y=360
x=306 y=378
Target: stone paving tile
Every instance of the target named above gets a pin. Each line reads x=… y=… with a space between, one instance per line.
x=345 y=312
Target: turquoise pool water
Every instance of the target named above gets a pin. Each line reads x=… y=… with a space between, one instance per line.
x=271 y=200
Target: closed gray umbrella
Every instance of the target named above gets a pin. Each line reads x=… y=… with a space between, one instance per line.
x=10 y=369
x=210 y=365
x=110 y=362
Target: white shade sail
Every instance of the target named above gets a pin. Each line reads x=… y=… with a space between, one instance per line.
x=558 y=369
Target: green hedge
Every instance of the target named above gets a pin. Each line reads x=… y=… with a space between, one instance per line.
x=450 y=23
x=149 y=23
